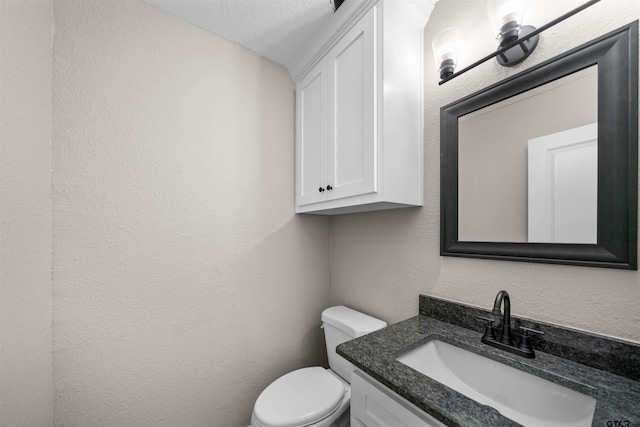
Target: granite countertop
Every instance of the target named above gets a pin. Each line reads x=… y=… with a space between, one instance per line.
x=618 y=397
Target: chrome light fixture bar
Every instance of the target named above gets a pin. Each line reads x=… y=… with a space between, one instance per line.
x=522 y=44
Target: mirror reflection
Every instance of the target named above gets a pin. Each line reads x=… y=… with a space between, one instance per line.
x=528 y=165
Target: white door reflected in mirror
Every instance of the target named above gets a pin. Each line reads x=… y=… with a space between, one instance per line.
x=563 y=182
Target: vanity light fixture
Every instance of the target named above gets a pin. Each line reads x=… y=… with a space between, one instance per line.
x=506 y=17
x=516 y=42
x=446 y=46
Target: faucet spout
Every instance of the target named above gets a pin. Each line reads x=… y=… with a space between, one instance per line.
x=503 y=299
x=500 y=336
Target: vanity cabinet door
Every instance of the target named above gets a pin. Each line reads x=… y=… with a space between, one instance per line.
x=374 y=405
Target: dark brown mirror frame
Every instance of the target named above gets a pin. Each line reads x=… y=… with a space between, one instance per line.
x=616 y=55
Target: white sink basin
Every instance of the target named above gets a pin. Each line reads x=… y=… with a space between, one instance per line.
x=522 y=397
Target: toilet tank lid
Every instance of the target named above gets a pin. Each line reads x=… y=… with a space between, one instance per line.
x=350 y=321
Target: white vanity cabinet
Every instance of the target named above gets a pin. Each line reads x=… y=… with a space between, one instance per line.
x=359 y=136
x=374 y=405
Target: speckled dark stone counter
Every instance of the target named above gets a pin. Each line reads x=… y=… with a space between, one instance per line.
x=606 y=353
x=618 y=397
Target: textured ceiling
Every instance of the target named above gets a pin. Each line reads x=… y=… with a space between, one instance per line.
x=276 y=29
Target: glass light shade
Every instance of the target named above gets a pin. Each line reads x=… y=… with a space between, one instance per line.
x=506 y=18
x=446 y=46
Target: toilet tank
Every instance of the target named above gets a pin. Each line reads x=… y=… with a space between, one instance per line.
x=342 y=324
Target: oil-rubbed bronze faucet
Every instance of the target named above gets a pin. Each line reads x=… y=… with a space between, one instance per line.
x=503 y=296
x=505 y=341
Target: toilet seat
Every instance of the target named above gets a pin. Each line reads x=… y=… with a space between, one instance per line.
x=299 y=398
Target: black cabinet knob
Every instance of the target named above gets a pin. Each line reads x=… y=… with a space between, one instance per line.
x=329 y=187
x=320 y=189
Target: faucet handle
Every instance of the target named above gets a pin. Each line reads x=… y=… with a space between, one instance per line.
x=525 y=331
x=489 y=320
x=489 y=329
x=525 y=340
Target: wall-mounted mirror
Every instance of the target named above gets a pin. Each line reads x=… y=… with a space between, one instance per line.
x=542 y=167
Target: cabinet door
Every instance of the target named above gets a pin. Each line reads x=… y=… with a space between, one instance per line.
x=311 y=136
x=373 y=405
x=352 y=139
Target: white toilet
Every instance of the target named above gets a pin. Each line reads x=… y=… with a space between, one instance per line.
x=316 y=397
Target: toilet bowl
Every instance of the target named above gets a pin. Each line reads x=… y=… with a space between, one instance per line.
x=315 y=396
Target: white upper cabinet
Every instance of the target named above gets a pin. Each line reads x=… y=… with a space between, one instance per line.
x=359 y=141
